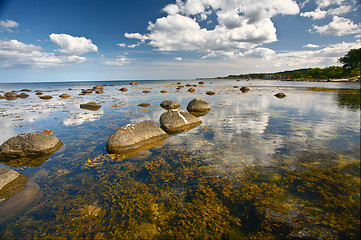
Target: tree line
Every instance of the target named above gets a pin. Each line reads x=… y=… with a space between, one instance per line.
x=351 y=69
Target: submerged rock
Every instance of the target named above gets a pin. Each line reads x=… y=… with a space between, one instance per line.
x=35 y=144
x=90 y=106
x=11 y=182
x=133 y=136
x=198 y=107
x=280 y=95
x=11 y=95
x=175 y=121
x=168 y=105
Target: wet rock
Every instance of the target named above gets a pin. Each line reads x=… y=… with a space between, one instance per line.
x=123 y=89
x=280 y=95
x=210 y=93
x=198 y=107
x=2 y=97
x=11 y=182
x=179 y=83
x=39 y=93
x=45 y=97
x=98 y=87
x=146 y=91
x=34 y=144
x=164 y=91
x=64 y=95
x=201 y=82
x=25 y=90
x=134 y=83
x=23 y=95
x=90 y=106
x=99 y=91
x=244 y=89
x=11 y=95
x=169 y=105
x=176 y=121
x=86 y=91
x=144 y=105
x=133 y=136
x=191 y=90
x=188 y=85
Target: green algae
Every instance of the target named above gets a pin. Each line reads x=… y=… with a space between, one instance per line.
x=173 y=194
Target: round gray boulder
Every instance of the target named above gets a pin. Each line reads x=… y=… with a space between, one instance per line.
x=133 y=136
x=198 y=107
x=29 y=145
x=175 y=121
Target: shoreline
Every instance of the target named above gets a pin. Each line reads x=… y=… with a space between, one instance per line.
x=285 y=80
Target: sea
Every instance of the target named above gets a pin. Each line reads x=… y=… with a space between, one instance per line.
x=258 y=167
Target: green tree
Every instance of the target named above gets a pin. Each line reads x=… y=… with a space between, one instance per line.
x=316 y=73
x=297 y=74
x=351 y=61
x=333 y=72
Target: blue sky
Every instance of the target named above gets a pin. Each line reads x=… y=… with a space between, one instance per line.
x=67 y=40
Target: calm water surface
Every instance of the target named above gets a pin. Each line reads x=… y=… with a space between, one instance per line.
x=252 y=138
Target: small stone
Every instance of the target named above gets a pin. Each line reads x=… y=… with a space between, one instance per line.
x=146 y=91
x=164 y=91
x=123 y=89
x=169 y=105
x=23 y=95
x=134 y=83
x=11 y=95
x=45 y=97
x=64 y=95
x=191 y=90
x=280 y=95
x=210 y=93
x=244 y=89
x=144 y=105
x=90 y=106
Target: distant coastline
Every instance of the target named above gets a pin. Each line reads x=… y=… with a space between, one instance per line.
x=289 y=80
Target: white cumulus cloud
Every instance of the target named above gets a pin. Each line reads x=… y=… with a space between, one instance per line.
x=119 y=61
x=339 y=26
x=8 y=25
x=310 y=45
x=241 y=25
x=14 y=54
x=73 y=45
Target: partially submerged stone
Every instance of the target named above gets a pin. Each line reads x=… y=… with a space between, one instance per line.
x=175 y=121
x=198 y=107
x=144 y=104
x=64 y=95
x=11 y=182
x=244 y=89
x=123 y=89
x=45 y=97
x=134 y=83
x=280 y=95
x=210 y=92
x=133 y=136
x=168 y=105
x=11 y=95
x=23 y=95
x=29 y=145
x=90 y=106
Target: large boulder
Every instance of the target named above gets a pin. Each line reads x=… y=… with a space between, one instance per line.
x=11 y=182
x=198 y=107
x=175 y=121
x=133 y=136
x=25 y=145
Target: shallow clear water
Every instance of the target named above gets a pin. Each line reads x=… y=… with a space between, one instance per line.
x=253 y=129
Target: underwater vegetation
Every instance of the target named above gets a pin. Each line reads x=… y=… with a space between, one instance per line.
x=174 y=194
